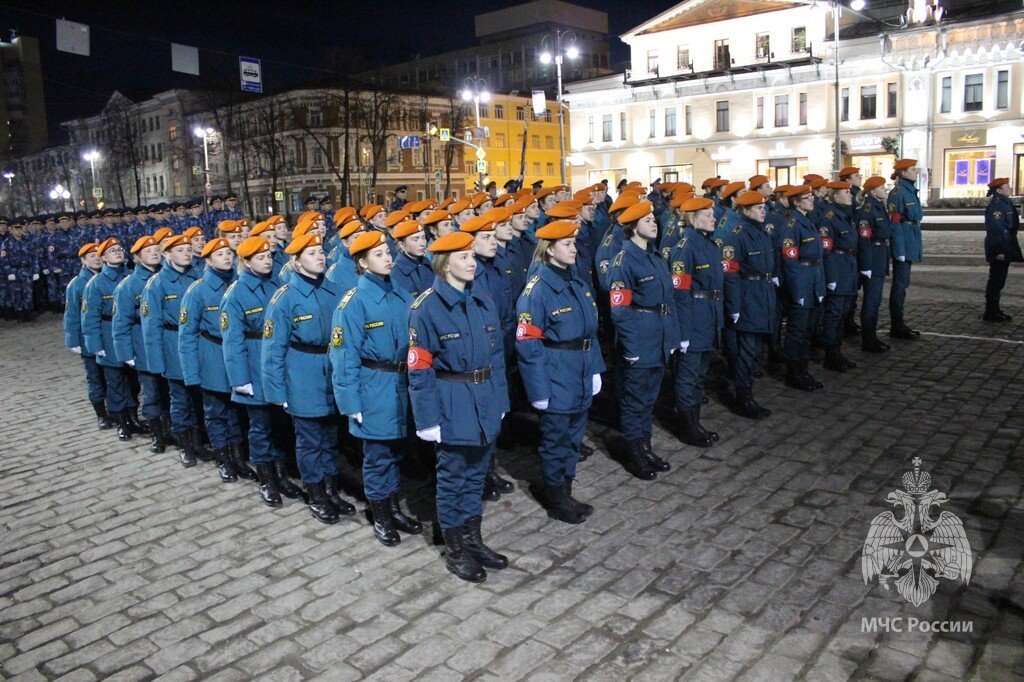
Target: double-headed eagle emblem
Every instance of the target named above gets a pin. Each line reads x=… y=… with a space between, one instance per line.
x=914 y=551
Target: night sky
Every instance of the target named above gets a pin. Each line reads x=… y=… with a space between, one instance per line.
x=130 y=49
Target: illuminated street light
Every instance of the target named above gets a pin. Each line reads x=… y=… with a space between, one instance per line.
x=92 y=156
x=205 y=133
x=475 y=90
x=572 y=52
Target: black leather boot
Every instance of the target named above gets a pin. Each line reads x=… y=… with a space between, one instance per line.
x=474 y=544
x=458 y=560
x=320 y=508
x=833 y=361
x=850 y=328
x=239 y=465
x=500 y=484
x=383 y=527
x=847 y=362
x=745 y=406
x=124 y=427
x=871 y=344
x=186 y=451
x=158 y=441
x=284 y=484
x=135 y=424
x=490 y=493
x=582 y=507
x=636 y=461
x=344 y=507
x=404 y=523
x=690 y=432
x=899 y=330
x=656 y=463
x=201 y=451
x=268 y=485
x=713 y=435
x=585 y=452
x=165 y=425
x=102 y=419
x=811 y=381
x=559 y=507
x=225 y=468
x=795 y=377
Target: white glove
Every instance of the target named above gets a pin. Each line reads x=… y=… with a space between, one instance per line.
x=901 y=258
x=35 y=276
x=284 y=405
x=358 y=417
x=57 y=271
x=820 y=299
x=46 y=271
x=1001 y=257
x=832 y=286
x=866 y=273
x=11 y=277
x=502 y=417
x=775 y=281
x=632 y=360
x=799 y=301
x=595 y=384
x=244 y=389
x=130 y=363
x=77 y=350
x=540 y=405
x=101 y=353
x=735 y=317
x=431 y=435
x=684 y=345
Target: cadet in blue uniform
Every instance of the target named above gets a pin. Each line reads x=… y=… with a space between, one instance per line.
x=647 y=332
x=560 y=362
x=241 y=323
x=95 y=385
x=851 y=174
x=400 y=199
x=197 y=240
x=729 y=219
x=202 y=358
x=342 y=273
x=295 y=371
x=804 y=282
x=459 y=397
x=20 y=264
x=231 y=210
x=873 y=231
x=1001 y=246
x=411 y=268
x=905 y=212
x=612 y=242
x=697 y=283
x=160 y=311
x=129 y=347
x=369 y=348
x=839 y=241
x=97 y=318
x=61 y=261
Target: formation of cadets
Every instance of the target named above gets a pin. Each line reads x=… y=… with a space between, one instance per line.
x=425 y=326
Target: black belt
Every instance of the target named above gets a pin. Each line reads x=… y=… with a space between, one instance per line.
x=879 y=242
x=107 y=318
x=210 y=337
x=714 y=295
x=477 y=376
x=662 y=309
x=309 y=348
x=254 y=335
x=844 y=252
x=399 y=367
x=809 y=261
x=170 y=327
x=583 y=344
x=756 y=276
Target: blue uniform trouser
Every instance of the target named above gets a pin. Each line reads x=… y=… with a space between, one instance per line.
x=221 y=419
x=997 y=271
x=872 y=302
x=380 y=468
x=460 y=482
x=898 y=291
x=63 y=280
x=119 y=394
x=261 y=447
x=799 y=327
x=151 y=395
x=183 y=416
x=560 y=438
x=95 y=384
x=836 y=309
x=640 y=388
x=19 y=292
x=316 y=448
x=744 y=363
x=691 y=369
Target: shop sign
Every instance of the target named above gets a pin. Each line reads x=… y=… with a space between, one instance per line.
x=865 y=143
x=969 y=138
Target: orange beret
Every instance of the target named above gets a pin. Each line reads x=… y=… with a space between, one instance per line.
x=809 y=177
x=176 y=241
x=714 y=183
x=405 y=229
x=732 y=188
x=873 y=182
x=436 y=216
x=750 y=199
x=817 y=183
x=142 y=243
x=367 y=241
x=683 y=187
x=419 y=206
x=446 y=203
x=707 y=182
x=350 y=228
x=278 y=218
x=260 y=228
x=395 y=217
x=479 y=223
x=190 y=233
x=216 y=244
x=86 y=248
x=904 y=164
x=253 y=245
x=499 y=214
x=479 y=198
x=342 y=215
x=559 y=229
x=453 y=241
x=545 y=191
x=163 y=233
x=636 y=212
x=523 y=193
x=298 y=244
x=459 y=206
x=370 y=210
x=565 y=209
x=756 y=181
x=782 y=189
x=623 y=201
x=231 y=226
x=106 y=244
x=998 y=182
x=503 y=199
x=838 y=184
x=697 y=204
x=848 y=170
x=303 y=227
x=679 y=198
x=798 y=191
x=585 y=197
x=519 y=206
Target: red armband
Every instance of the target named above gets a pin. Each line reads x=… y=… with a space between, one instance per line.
x=895 y=217
x=682 y=281
x=526 y=331
x=866 y=232
x=730 y=266
x=790 y=253
x=826 y=243
x=621 y=298
x=419 y=358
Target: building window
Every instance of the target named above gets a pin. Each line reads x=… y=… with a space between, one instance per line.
x=1003 y=90
x=177 y=188
x=946 y=103
x=549 y=142
x=318 y=157
x=499 y=111
x=890 y=100
x=781 y=111
x=670 y=122
x=484 y=111
x=175 y=163
x=652 y=61
x=520 y=113
x=688 y=120
x=590 y=129
x=760 y=113
x=722 y=60
x=535 y=141
x=172 y=133
x=845 y=98
x=868 y=99
x=161 y=177
x=800 y=39
x=650 y=123
x=762 y=50
x=622 y=125
x=722 y=116
x=803 y=108
x=974 y=86
x=499 y=140
x=683 y=57
x=550 y=168
x=316 y=117
x=606 y=128
x=536 y=167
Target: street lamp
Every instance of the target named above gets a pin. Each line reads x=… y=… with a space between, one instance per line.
x=9 y=176
x=837 y=9
x=546 y=57
x=474 y=89
x=59 y=194
x=92 y=157
x=205 y=133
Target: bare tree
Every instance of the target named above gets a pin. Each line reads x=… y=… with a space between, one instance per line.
x=453 y=151
x=378 y=110
x=265 y=153
x=121 y=120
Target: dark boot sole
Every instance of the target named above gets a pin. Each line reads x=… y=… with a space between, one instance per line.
x=326 y=520
x=467 y=578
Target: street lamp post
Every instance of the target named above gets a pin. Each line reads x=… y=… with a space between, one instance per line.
x=837 y=9
x=9 y=176
x=205 y=133
x=546 y=56
x=91 y=157
x=60 y=195
x=475 y=89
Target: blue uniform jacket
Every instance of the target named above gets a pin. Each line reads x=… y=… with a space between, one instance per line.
x=280 y=258
x=98 y=314
x=801 y=261
x=492 y=278
x=873 y=233
x=456 y=331
x=642 y=306
x=243 y=310
x=696 y=263
x=297 y=330
x=343 y=272
x=587 y=240
x=372 y=323
x=841 y=250
x=127 y=325
x=905 y=212
x=554 y=309
x=412 y=274
x=161 y=310
x=1001 y=225
x=749 y=265
x=610 y=246
x=199 y=332
x=73 y=311
x=520 y=253
x=729 y=221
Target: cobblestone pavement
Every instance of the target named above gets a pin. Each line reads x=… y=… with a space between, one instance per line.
x=742 y=562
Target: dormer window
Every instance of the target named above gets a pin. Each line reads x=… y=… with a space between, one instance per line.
x=762 y=48
x=800 y=39
x=722 y=60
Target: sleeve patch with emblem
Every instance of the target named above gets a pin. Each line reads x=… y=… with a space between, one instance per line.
x=268 y=329
x=223 y=321
x=182 y=315
x=337 y=337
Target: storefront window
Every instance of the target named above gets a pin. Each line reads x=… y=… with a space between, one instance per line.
x=612 y=175
x=677 y=173
x=783 y=171
x=968 y=171
x=874 y=164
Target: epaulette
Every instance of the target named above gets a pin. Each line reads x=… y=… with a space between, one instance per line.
x=617 y=262
x=346 y=298
x=829 y=214
x=737 y=229
x=230 y=288
x=791 y=223
x=192 y=286
x=278 y=294
x=530 y=285
x=422 y=297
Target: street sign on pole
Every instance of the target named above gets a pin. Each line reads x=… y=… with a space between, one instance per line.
x=409 y=142
x=437 y=176
x=97 y=192
x=278 y=195
x=197 y=170
x=446 y=134
x=251 y=74
x=480 y=154
x=481 y=166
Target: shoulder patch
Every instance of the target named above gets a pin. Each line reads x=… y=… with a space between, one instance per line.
x=337 y=337
x=277 y=295
x=268 y=329
x=223 y=321
x=144 y=309
x=422 y=297
x=346 y=298
x=529 y=285
x=617 y=262
x=182 y=315
x=737 y=229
